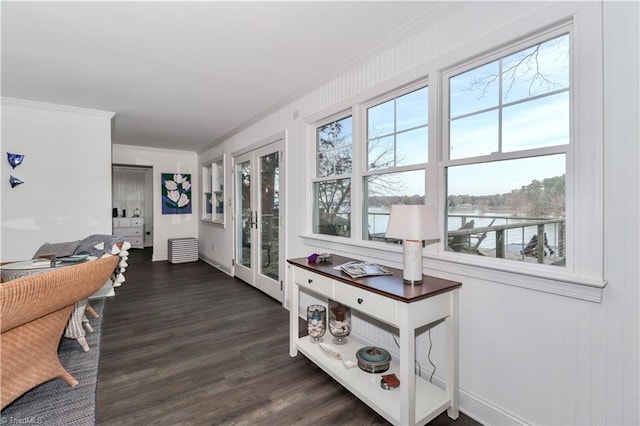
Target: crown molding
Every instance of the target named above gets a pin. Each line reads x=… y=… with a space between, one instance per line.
x=44 y=105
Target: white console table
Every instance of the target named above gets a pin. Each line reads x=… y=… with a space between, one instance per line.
x=406 y=307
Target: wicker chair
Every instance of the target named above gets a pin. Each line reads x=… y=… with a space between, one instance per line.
x=35 y=311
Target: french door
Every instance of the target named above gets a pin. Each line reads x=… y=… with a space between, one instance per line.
x=258 y=218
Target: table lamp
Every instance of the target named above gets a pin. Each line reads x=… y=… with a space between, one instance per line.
x=412 y=224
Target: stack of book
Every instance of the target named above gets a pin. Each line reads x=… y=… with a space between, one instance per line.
x=357 y=269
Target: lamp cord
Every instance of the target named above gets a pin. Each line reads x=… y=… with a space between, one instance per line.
x=429 y=358
x=417 y=364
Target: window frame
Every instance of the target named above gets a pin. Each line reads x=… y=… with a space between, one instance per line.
x=363 y=169
x=319 y=179
x=585 y=279
x=494 y=157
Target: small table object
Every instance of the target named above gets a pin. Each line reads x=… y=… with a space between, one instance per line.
x=78 y=321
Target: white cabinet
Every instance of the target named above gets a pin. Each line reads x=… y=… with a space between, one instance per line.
x=405 y=307
x=213 y=191
x=131 y=228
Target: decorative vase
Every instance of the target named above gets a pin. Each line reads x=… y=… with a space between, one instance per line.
x=316 y=322
x=339 y=322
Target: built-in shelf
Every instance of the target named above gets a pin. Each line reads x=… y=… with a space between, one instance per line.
x=213 y=195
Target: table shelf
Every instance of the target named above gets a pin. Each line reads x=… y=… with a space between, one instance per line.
x=430 y=399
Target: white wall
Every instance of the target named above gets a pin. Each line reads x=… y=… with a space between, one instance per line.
x=66 y=194
x=525 y=356
x=165 y=161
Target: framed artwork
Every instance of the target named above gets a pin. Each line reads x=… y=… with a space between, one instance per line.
x=176 y=193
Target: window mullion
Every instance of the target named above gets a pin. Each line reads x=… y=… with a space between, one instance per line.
x=359 y=162
x=500 y=89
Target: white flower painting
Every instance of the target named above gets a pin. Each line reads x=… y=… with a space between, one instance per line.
x=176 y=193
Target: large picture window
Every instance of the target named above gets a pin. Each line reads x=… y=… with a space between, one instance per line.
x=509 y=138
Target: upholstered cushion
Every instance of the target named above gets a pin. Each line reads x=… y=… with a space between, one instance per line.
x=98 y=244
x=58 y=249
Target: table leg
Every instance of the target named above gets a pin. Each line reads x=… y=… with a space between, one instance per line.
x=92 y=311
x=407 y=369
x=451 y=355
x=74 y=329
x=293 y=316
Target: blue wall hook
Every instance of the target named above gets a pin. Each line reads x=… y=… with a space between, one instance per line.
x=15 y=159
x=14 y=181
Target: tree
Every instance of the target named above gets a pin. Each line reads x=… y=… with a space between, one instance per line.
x=334 y=196
x=540 y=68
x=335 y=158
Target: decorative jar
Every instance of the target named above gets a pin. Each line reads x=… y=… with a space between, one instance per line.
x=316 y=322
x=339 y=322
x=373 y=359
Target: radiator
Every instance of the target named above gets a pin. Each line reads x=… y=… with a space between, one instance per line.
x=183 y=250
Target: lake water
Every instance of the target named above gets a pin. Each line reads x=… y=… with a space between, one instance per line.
x=515 y=238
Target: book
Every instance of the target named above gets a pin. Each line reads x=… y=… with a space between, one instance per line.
x=357 y=269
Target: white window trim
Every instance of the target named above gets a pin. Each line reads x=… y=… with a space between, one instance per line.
x=363 y=170
x=584 y=182
x=312 y=135
x=586 y=279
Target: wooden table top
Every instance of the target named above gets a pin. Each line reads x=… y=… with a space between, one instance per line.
x=391 y=286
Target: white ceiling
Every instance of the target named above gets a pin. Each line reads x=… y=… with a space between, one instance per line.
x=184 y=74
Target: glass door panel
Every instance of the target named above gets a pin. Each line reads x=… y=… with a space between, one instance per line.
x=244 y=225
x=269 y=215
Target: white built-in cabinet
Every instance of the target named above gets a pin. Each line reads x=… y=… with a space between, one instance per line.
x=131 y=228
x=213 y=191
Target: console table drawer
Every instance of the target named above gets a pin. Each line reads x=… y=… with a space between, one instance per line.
x=315 y=282
x=372 y=304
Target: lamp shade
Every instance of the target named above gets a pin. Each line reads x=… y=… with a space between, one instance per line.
x=412 y=222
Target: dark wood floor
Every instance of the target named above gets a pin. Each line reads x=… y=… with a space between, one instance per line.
x=186 y=344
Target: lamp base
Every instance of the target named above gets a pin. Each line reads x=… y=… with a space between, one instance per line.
x=412 y=262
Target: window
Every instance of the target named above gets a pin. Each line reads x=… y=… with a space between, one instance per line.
x=508 y=142
x=396 y=154
x=332 y=184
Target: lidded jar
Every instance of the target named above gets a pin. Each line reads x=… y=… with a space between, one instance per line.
x=316 y=322
x=339 y=322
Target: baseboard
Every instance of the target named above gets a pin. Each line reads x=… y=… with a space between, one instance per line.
x=477 y=408
x=216 y=265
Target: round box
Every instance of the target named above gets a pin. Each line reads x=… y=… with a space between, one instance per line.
x=373 y=360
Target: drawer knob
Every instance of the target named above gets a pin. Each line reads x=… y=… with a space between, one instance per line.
x=360 y=301
x=310 y=281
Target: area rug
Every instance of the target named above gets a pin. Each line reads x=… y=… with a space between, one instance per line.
x=54 y=402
